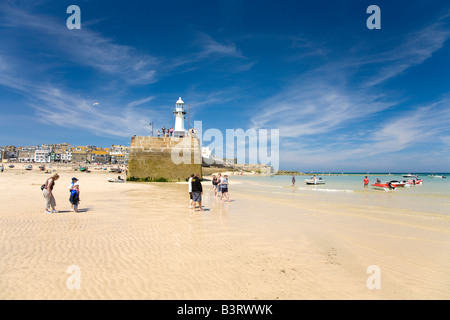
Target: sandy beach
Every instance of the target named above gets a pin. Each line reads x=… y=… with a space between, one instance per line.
x=141 y=241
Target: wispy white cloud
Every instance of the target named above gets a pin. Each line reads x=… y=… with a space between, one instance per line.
x=64 y=109
x=321 y=115
x=391 y=144
x=419 y=47
x=54 y=104
x=84 y=47
x=212 y=47
x=139 y=102
x=445 y=140
x=313 y=107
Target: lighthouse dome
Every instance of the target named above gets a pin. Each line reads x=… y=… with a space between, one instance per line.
x=180 y=101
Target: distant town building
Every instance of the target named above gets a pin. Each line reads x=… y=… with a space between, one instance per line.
x=42 y=156
x=27 y=154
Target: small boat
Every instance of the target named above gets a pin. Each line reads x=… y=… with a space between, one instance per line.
x=385 y=186
x=414 y=182
x=30 y=167
x=437 y=176
x=118 y=180
x=315 y=181
x=409 y=175
x=83 y=169
x=11 y=166
x=397 y=184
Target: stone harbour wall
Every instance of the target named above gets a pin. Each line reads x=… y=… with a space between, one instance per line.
x=164 y=158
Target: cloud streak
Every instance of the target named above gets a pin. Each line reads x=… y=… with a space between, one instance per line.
x=84 y=47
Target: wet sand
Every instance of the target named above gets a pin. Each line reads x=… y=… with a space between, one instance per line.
x=141 y=241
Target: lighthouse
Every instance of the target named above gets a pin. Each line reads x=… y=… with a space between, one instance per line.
x=179 y=113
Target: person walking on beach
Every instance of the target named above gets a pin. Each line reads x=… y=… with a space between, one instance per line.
x=224 y=188
x=215 y=182
x=219 y=180
x=2 y=168
x=74 y=198
x=197 y=191
x=366 y=182
x=293 y=180
x=190 y=190
x=48 y=194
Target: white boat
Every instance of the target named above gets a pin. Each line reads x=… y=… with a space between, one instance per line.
x=409 y=175
x=315 y=181
x=437 y=176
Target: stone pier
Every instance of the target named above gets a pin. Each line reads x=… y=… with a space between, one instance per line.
x=164 y=159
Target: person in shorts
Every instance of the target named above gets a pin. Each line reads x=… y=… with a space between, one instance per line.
x=224 y=188
x=219 y=186
x=197 y=191
x=215 y=182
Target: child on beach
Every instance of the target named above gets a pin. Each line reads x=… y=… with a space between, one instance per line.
x=75 y=196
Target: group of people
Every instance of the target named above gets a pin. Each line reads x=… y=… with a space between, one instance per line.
x=220 y=188
x=50 y=202
x=165 y=132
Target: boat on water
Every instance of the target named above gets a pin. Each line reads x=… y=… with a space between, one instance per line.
x=409 y=175
x=315 y=181
x=397 y=183
x=414 y=182
x=385 y=186
x=437 y=176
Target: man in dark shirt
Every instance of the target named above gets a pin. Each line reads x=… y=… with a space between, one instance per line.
x=197 y=191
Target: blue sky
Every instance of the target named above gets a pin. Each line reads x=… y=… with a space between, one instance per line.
x=345 y=98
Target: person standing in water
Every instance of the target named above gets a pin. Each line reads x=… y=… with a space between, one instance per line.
x=366 y=182
x=293 y=180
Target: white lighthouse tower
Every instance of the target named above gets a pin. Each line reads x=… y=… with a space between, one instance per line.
x=179 y=113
